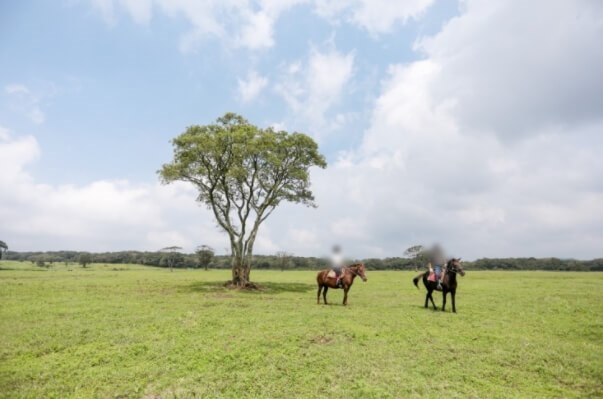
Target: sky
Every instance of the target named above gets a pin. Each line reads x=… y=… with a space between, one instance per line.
x=473 y=123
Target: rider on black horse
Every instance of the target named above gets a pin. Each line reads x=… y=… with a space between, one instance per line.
x=437 y=264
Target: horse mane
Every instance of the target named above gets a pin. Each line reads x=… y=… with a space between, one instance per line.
x=356 y=264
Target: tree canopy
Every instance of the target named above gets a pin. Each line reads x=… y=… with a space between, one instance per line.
x=272 y=262
x=418 y=254
x=284 y=259
x=172 y=256
x=205 y=254
x=84 y=259
x=242 y=173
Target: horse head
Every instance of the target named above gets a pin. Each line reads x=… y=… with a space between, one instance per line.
x=455 y=266
x=359 y=270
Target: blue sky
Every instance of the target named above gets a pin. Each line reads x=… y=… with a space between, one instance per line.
x=100 y=81
x=440 y=120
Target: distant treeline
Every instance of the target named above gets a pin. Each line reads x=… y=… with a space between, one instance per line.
x=160 y=259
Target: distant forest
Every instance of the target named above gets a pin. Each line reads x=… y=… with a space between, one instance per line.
x=275 y=262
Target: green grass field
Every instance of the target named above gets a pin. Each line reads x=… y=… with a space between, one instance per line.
x=128 y=331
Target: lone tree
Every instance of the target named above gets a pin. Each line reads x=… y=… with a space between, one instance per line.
x=242 y=173
x=3 y=248
x=283 y=259
x=205 y=254
x=172 y=256
x=85 y=259
x=418 y=253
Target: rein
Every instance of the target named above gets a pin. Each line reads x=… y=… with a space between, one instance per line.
x=353 y=270
x=450 y=269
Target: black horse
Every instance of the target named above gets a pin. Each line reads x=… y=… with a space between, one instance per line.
x=449 y=283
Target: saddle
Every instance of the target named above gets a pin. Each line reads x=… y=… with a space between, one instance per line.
x=332 y=274
x=433 y=276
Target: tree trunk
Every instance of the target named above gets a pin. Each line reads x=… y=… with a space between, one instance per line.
x=241 y=268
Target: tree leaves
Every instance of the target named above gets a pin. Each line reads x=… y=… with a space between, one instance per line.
x=242 y=173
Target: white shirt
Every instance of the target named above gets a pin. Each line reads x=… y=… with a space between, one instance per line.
x=336 y=260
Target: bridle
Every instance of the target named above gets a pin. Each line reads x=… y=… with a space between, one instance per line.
x=354 y=271
x=452 y=268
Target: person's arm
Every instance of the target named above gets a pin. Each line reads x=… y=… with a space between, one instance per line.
x=430 y=267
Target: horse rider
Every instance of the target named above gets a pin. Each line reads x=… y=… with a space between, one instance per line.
x=336 y=261
x=437 y=264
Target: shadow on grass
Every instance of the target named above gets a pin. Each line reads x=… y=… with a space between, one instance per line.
x=22 y=269
x=264 y=287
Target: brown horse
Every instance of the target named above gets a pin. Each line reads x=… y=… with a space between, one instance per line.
x=348 y=274
x=449 y=283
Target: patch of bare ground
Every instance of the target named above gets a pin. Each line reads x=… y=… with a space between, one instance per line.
x=247 y=286
x=321 y=339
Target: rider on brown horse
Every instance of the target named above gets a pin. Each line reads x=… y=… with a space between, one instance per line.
x=336 y=263
x=325 y=280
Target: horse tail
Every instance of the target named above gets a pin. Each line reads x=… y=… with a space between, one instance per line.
x=416 y=280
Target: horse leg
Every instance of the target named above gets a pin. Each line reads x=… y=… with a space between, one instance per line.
x=345 y=296
x=427 y=300
x=444 y=293
x=318 y=295
x=324 y=293
x=453 y=295
x=432 y=302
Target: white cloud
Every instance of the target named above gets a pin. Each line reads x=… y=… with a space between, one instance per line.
x=139 y=10
x=24 y=101
x=257 y=32
x=250 y=23
x=376 y=16
x=348 y=228
x=314 y=88
x=16 y=89
x=491 y=144
x=539 y=67
x=305 y=238
x=239 y=23
x=105 y=8
x=278 y=126
x=101 y=215
x=250 y=88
